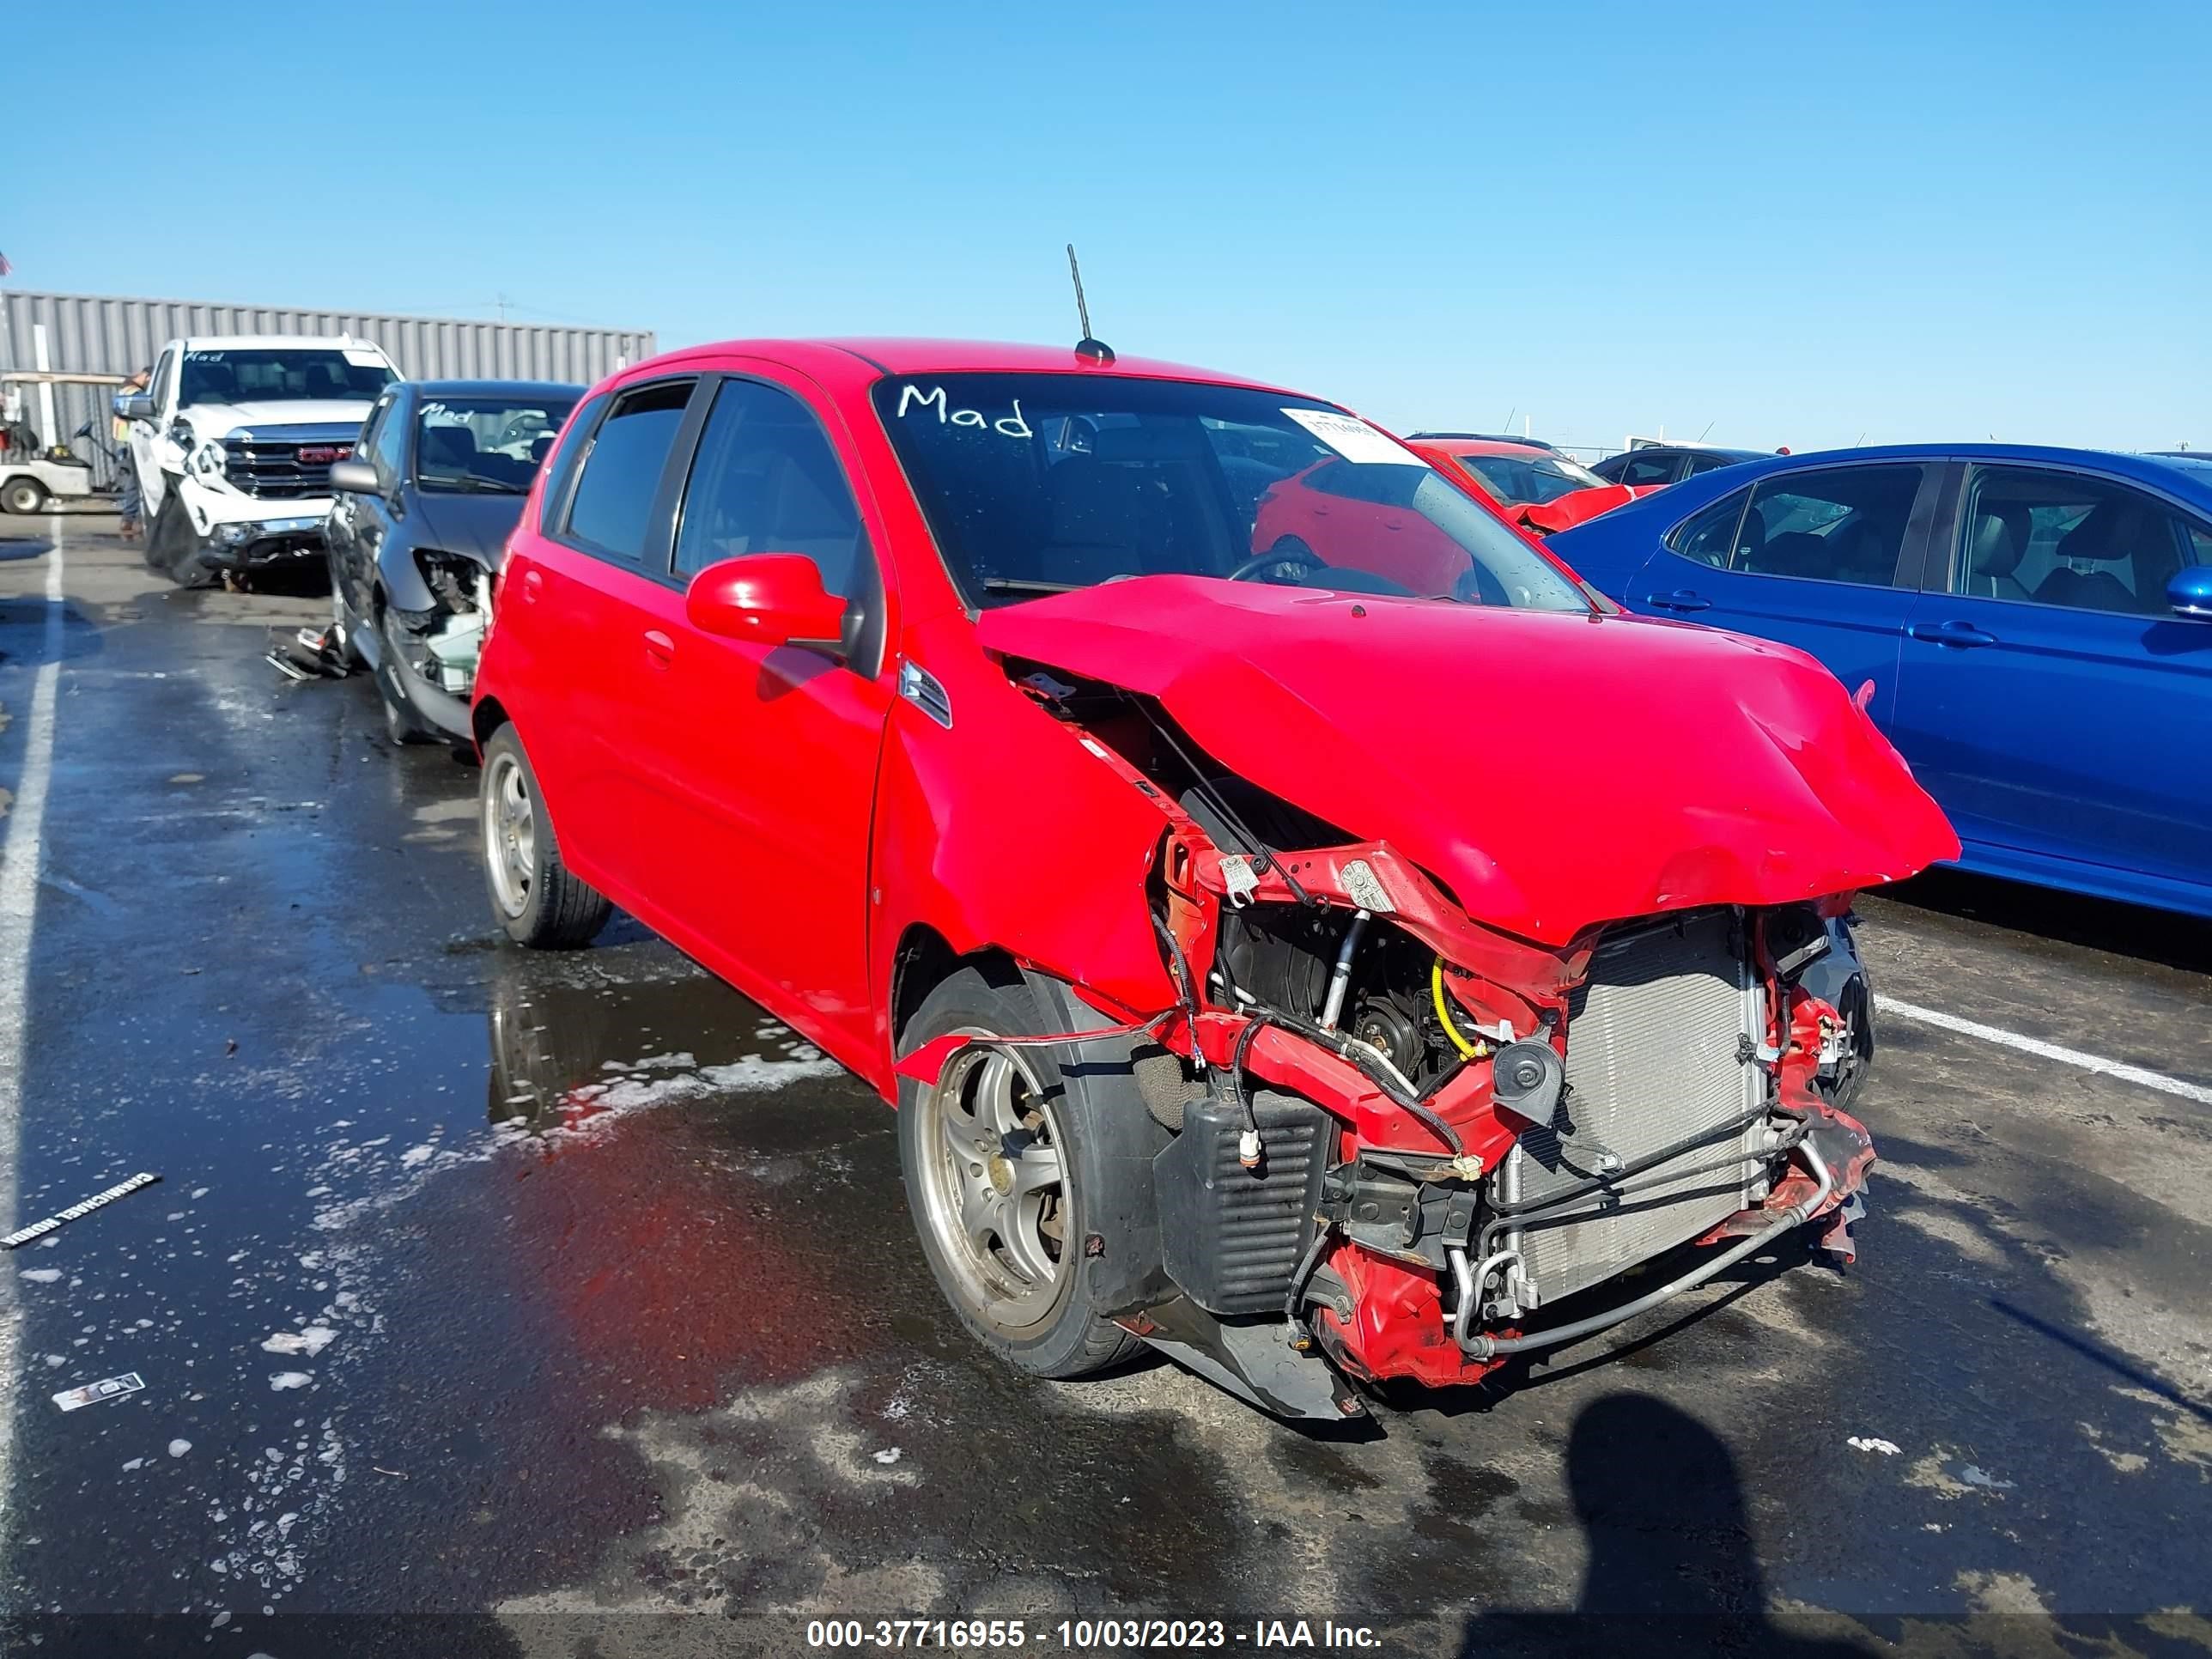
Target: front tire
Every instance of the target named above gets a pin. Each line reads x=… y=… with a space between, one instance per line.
x=24 y=495
x=536 y=899
x=174 y=547
x=1012 y=1171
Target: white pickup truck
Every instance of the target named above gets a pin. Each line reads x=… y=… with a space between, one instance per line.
x=233 y=440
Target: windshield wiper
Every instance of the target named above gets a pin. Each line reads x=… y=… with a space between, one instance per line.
x=1024 y=585
x=485 y=486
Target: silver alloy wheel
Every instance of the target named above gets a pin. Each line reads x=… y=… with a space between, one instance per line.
x=510 y=833
x=993 y=1186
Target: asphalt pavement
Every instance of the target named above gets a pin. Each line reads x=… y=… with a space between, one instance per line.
x=535 y=1305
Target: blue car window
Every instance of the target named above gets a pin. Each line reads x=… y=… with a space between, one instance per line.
x=1838 y=524
x=2045 y=536
x=1708 y=537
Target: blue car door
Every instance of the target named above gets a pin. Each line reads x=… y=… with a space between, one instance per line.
x=1825 y=558
x=2049 y=697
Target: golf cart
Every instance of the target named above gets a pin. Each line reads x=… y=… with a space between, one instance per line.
x=53 y=477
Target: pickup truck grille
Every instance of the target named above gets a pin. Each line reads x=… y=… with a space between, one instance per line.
x=1652 y=1058
x=284 y=464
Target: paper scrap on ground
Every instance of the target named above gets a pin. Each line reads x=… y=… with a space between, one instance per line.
x=108 y=1388
x=83 y=1206
x=1863 y=1442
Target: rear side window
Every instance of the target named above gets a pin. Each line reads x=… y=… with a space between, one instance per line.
x=553 y=503
x=765 y=480
x=1711 y=536
x=1843 y=524
x=1644 y=469
x=1708 y=463
x=613 y=502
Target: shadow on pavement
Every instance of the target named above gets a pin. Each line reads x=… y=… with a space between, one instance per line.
x=2127 y=930
x=1672 y=1563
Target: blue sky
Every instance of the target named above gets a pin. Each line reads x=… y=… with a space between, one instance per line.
x=1778 y=224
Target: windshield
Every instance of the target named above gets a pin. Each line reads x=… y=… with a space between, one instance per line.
x=485 y=445
x=1039 y=484
x=1525 y=479
x=283 y=374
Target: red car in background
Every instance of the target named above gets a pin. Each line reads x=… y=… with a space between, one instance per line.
x=1271 y=960
x=1536 y=488
x=1406 y=527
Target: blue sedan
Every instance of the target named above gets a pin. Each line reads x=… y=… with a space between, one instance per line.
x=2036 y=624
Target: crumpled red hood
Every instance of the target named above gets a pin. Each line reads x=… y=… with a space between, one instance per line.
x=1576 y=507
x=1554 y=770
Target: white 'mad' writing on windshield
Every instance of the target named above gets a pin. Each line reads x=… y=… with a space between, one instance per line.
x=1011 y=425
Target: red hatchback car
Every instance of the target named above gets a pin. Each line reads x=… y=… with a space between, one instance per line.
x=1320 y=974
x=1535 y=488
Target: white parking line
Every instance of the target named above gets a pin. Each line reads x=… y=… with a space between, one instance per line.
x=2028 y=1045
x=20 y=855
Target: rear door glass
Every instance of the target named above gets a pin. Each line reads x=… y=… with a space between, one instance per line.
x=1843 y=524
x=613 y=503
x=1648 y=470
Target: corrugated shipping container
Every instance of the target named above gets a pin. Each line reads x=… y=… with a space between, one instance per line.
x=93 y=333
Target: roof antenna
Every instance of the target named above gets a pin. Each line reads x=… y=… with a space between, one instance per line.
x=1097 y=351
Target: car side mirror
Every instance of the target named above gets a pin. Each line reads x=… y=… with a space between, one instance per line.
x=2189 y=592
x=135 y=406
x=768 y=598
x=355 y=478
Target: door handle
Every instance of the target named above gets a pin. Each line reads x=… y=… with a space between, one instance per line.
x=532 y=585
x=660 y=649
x=1950 y=633
x=1683 y=599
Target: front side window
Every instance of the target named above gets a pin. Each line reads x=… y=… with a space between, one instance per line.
x=364 y=446
x=1843 y=524
x=613 y=503
x=273 y=374
x=487 y=445
x=1039 y=484
x=765 y=480
x=1530 y=479
x=388 y=448
x=2052 y=538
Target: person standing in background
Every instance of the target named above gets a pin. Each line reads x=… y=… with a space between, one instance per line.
x=132 y=505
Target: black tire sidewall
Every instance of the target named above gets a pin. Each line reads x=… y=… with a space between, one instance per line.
x=174 y=547
x=28 y=490
x=1073 y=1339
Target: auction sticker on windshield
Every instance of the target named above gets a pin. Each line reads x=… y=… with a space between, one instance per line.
x=1353 y=439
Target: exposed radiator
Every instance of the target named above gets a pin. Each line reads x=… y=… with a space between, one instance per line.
x=1652 y=1057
